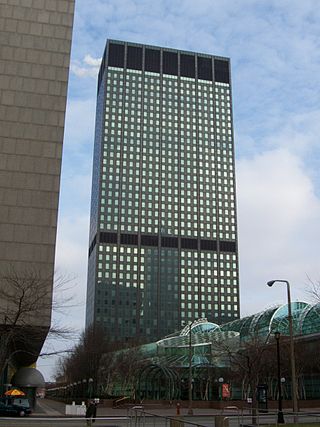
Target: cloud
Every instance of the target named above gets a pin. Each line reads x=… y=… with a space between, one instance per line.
x=88 y=67
x=279 y=229
x=80 y=121
x=83 y=72
x=72 y=249
x=77 y=159
x=94 y=62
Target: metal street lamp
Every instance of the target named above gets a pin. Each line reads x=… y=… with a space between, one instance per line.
x=292 y=358
x=221 y=379
x=90 y=385
x=190 y=410
x=84 y=382
x=280 y=413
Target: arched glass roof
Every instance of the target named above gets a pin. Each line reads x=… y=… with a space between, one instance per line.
x=256 y=324
x=235 y=325
x=209 y=340
x=261 y=322
x=310 y=321
x=280 y=322
x=204 y=327
x=213 y=337
x=199 y=326
x=274 y=319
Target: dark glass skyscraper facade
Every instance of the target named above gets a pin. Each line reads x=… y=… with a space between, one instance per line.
x=163 y=232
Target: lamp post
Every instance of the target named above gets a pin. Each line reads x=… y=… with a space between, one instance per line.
x=220 y=380
x=90 y=385
x=280 y=413
x=190 y=410
x=293 y=365
x=84 y=382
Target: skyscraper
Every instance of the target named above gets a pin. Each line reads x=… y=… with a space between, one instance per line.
x=34 y=66
x=163 y=233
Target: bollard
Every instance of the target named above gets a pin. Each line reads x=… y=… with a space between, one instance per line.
x=178 y=408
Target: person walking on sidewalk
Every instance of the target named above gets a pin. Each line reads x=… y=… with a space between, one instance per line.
x=91 y=413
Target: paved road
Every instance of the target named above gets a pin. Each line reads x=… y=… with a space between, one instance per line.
x=59 y=422
x=121 y=422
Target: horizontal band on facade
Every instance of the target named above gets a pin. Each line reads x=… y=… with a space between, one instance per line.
x=164 y=241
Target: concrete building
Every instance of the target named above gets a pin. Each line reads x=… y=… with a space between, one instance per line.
x=163 y=234
x=34 y=64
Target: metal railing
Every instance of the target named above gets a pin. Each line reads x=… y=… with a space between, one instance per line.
x=121 y=401
x=137 y=417
x=140 y=418
x=245 y=416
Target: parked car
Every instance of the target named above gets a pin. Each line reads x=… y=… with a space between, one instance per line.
x=20 y=401
x=8 y=409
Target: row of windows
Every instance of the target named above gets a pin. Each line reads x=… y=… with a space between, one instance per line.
x=167 y=132
x=187 y=121
x=135 y=86
x=171 y=225
x=207 y=298
x=188 y=151
x=187 y=118
x=178 y=181
x=136 y=93
x=128 y=280
x=230 y=313
x=165 y=204
x=191 y=255
x=205 y=104
x=170 y=186
x=227 y=170
x=115 y=75
x=169 y=193
x=168 y=151
x=152 y=227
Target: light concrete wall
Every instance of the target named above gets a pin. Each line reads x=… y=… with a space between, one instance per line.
x=35 y=42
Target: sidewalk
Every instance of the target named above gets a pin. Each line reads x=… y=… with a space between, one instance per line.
x=47 y=407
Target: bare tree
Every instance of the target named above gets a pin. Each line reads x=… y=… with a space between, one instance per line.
x=312 y=289
x=249 y=365
x=110 y=366
x=85 y=358
x=25 y=313
x=123 y=369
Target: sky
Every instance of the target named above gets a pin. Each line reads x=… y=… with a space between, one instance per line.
x=274 y=48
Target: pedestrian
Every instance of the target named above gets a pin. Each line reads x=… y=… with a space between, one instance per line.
x=91 y=413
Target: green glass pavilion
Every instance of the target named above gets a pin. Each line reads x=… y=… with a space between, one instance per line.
x=166 y=364
x=163 y=367
x=163 y=232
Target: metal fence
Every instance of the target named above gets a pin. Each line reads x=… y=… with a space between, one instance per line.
x=138 y=417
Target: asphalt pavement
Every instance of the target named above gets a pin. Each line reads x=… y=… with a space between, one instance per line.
x=53 y=408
